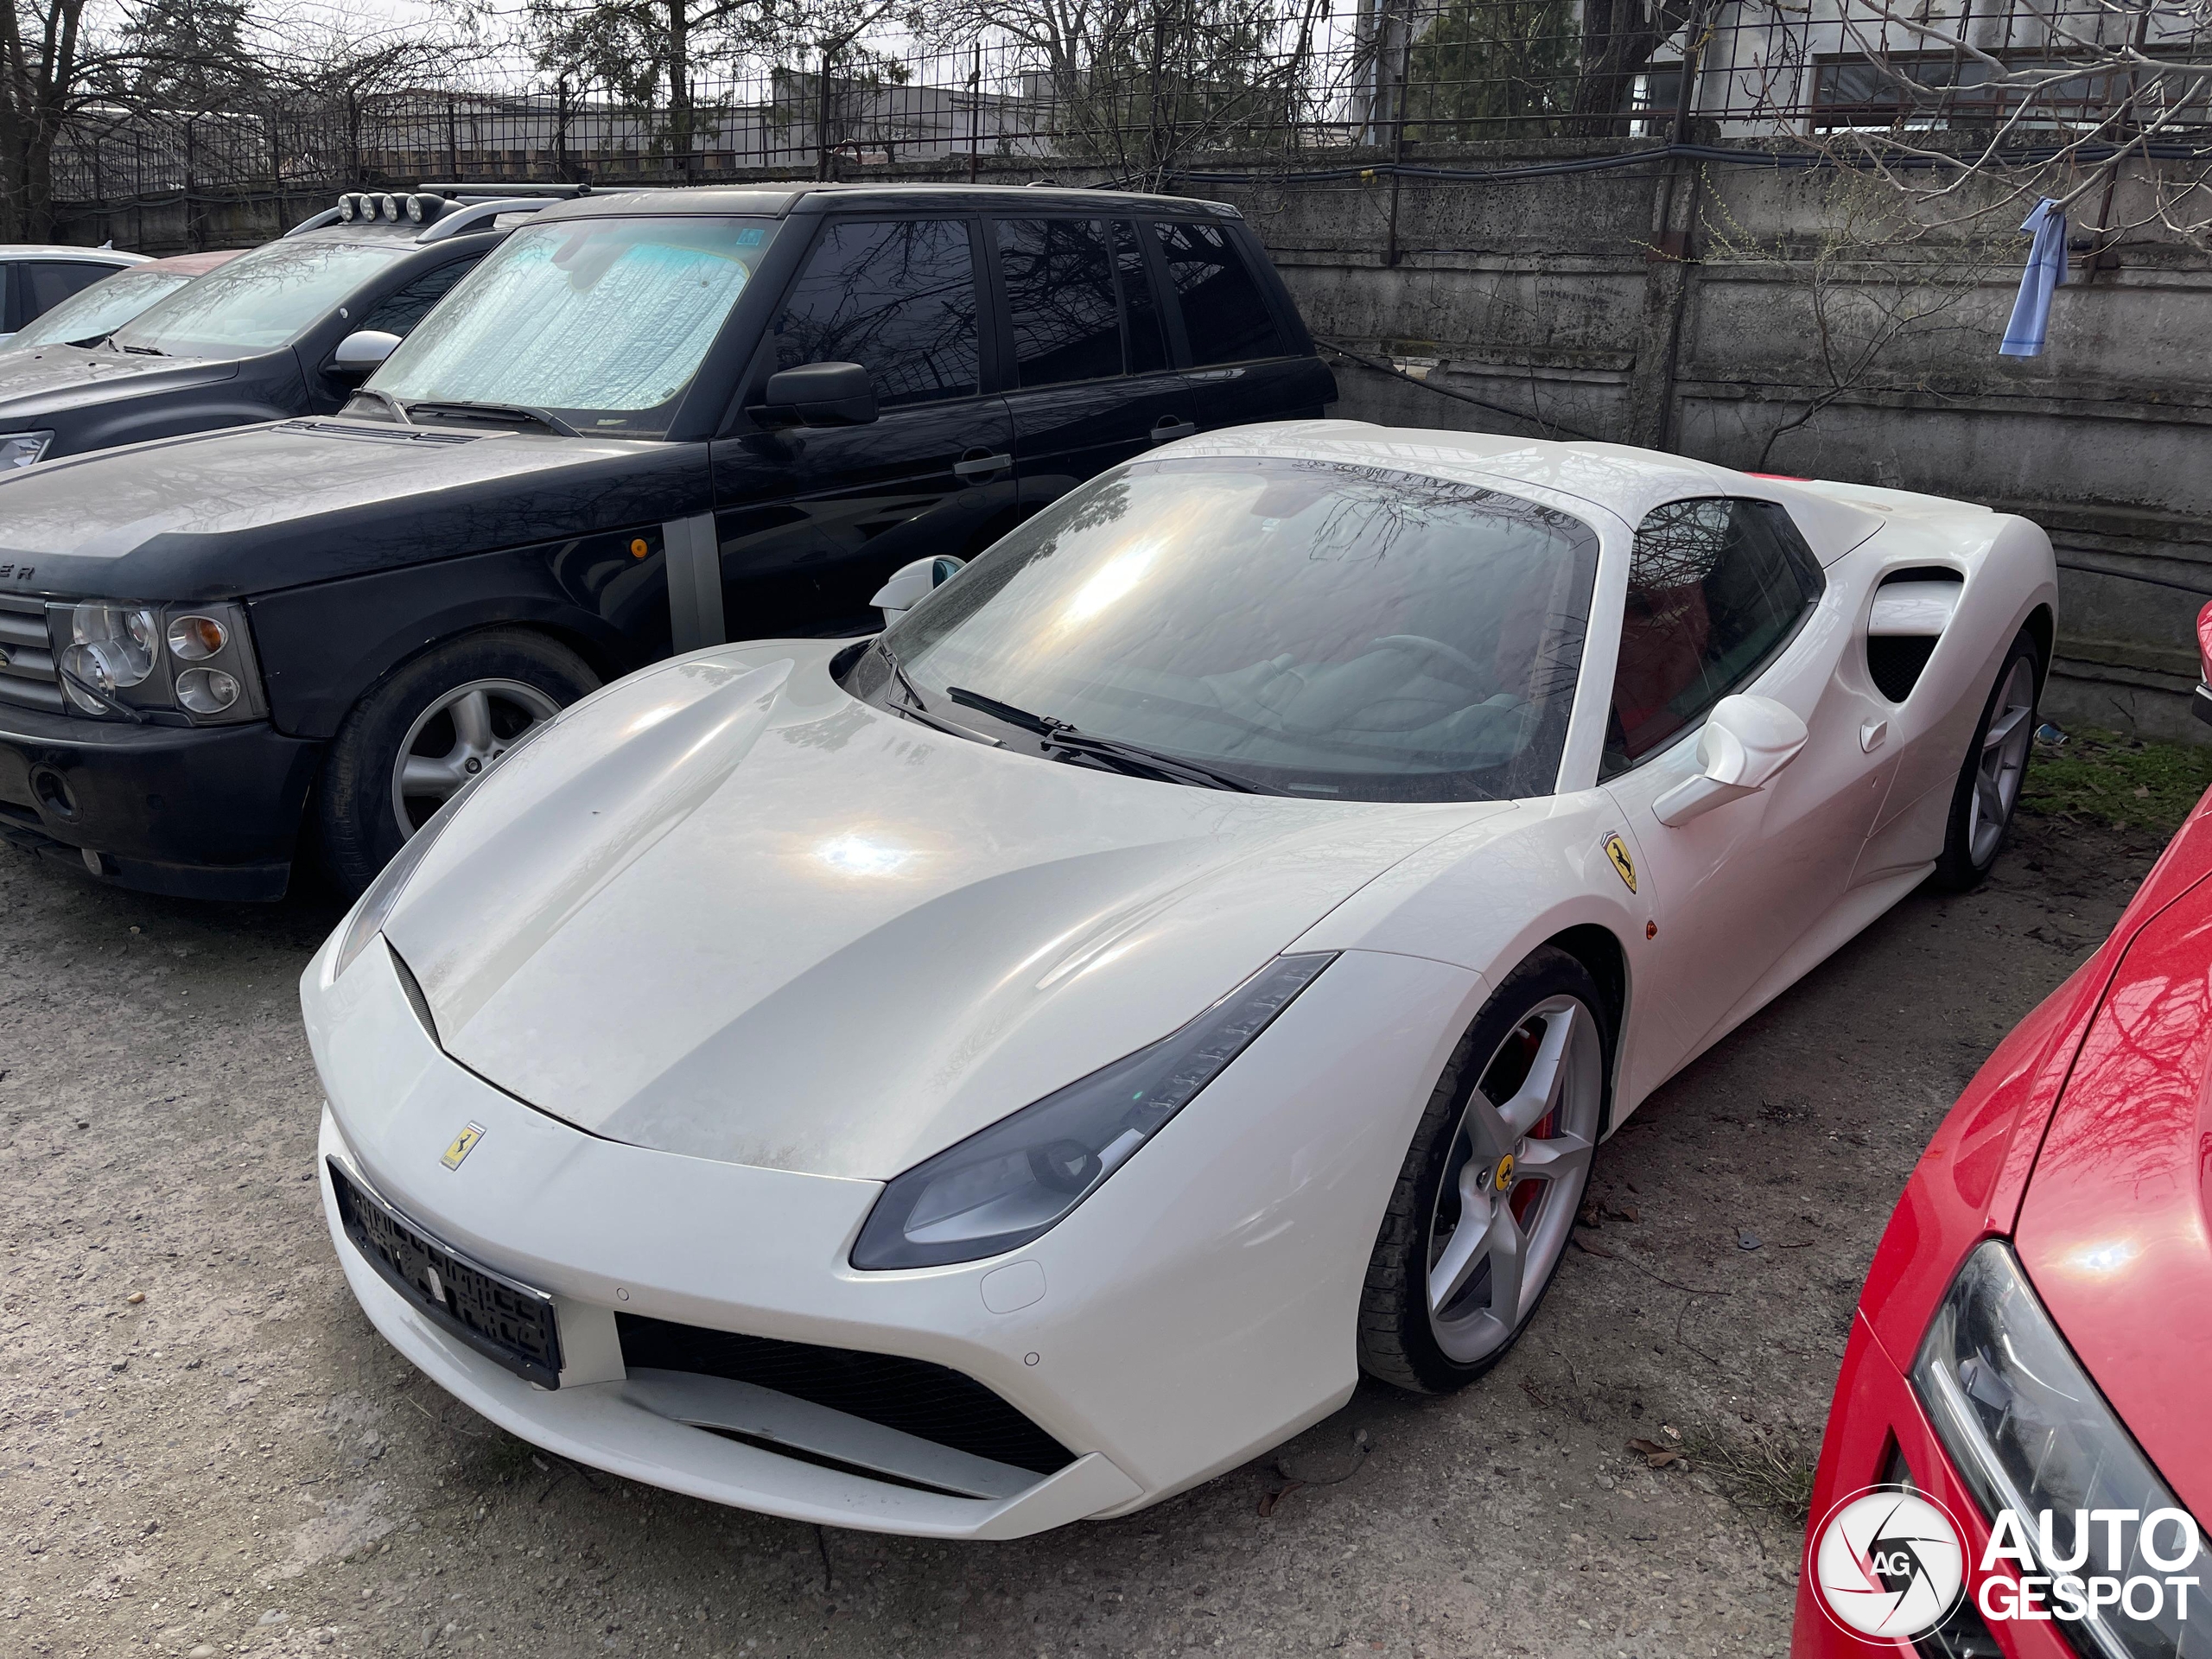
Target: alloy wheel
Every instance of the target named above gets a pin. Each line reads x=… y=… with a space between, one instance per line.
x=2002 y=763
x=1517 y=1167
x=455 y=738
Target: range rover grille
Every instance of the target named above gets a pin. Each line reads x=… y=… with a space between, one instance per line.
x=28 y=679
x=929 y=1401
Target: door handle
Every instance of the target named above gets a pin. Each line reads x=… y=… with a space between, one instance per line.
x=980 y=464
x=1170 y=429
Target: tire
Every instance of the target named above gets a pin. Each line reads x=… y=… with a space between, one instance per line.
x=1996 y=766
x=456 y=709
x=1433 y=1345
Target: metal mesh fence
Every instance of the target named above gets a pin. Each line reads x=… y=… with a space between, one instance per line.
x=1172 y=82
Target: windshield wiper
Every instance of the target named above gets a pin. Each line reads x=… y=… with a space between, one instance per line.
x=142 y=351
x=1059 y=738
x=500 y=414
x=113 y=705
x=914 y=709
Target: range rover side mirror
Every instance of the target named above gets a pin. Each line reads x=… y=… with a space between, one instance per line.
x=362 y=353
x=909 y=584
x=1745 y=742
x=818 y=394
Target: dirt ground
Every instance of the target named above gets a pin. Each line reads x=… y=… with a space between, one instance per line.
x=208 y=1449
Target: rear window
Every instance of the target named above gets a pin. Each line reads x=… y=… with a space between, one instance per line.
x=1224 y=313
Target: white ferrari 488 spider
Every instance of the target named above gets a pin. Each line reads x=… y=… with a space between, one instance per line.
x=1012 y=1068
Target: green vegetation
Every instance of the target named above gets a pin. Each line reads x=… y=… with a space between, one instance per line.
x=2109 y=778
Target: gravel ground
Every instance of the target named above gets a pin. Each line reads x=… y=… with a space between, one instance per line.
x=209 y=1449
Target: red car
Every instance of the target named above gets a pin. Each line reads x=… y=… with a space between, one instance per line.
x=2034 y=1334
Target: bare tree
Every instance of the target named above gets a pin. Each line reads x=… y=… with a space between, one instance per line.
x=1873 y=290
x=1978 y=113
x=1139 y=84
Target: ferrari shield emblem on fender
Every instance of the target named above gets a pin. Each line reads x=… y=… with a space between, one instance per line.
x=1623 y=864
x=465 y=1142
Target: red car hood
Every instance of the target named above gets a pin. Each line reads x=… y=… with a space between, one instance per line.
x=2116 y=1228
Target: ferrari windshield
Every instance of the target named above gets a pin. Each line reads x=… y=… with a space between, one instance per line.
x=258 y=302
x=1309 y=626
x=97 y=312
x=601 y=322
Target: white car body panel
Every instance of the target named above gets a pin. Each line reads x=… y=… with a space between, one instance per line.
x=980 y=921
x=749 y=948
x=1276 y=1186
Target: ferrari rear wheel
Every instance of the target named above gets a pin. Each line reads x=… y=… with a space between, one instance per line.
x=1996 y=766
x=1486 y=1198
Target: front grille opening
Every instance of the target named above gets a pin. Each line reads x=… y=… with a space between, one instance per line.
x=932 y=1402
x=821 y=1461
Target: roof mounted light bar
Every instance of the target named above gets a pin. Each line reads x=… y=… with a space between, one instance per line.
x=441 y=206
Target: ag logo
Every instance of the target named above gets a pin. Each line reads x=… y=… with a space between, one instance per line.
x=1888 y=1562
x=1623 y=864
x=463 y=1144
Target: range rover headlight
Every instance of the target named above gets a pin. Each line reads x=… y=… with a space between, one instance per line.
x=2030 y=1434
x=1006 y=1184
x=140 y=661
x=111 y=648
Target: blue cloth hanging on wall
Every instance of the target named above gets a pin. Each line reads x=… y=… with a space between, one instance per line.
x=2024 y=335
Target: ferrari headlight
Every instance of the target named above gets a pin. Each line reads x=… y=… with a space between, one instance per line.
x=382 y=896
x=24 y=448
x=2030 y=1434
x=1004 y=1185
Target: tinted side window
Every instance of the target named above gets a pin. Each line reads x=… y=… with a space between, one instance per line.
x=1715 y=587
x=1147 y=341
x=45 y=286
x=898 y=298
x=1225 y=314
x=398 y=312
x=1060 y=289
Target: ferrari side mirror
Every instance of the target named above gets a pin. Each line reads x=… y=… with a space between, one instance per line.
x=1745 y=742
x=909 y=584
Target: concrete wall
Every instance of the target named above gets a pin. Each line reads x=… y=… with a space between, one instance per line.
x=1550 y=299
x=1687 y=308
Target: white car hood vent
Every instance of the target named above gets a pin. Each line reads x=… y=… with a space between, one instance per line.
x=728 y=912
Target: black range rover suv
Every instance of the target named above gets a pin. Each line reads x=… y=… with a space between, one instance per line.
x=645 y=425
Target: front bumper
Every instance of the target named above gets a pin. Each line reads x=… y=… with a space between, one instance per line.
x=1199 y=1309
x=198 y=813
x=1876 y=1416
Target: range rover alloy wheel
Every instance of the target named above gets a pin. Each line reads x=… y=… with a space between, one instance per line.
x=454 y=739
x=431 y=725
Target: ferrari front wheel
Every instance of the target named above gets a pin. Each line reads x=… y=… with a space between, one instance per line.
x=1484 y=1202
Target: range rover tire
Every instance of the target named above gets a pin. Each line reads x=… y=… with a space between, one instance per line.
x=1460 y=1265
x=429 y=727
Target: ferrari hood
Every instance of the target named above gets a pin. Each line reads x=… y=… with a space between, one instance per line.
x=726 y=910
x=49 y=379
